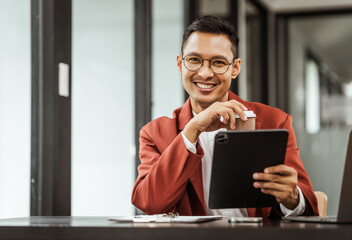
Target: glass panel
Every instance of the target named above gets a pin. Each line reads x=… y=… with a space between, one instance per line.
x=254 y=50
x=323 y=85
x=102 y=107
x=15 y=103
x=167 y=90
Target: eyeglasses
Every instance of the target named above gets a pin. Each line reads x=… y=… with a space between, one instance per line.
x=217 y=65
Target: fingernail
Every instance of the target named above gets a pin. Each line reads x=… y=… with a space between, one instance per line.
x=256 y=184
x=255 y=176
x=245 y=118
x=245 y=108
x=266 y=170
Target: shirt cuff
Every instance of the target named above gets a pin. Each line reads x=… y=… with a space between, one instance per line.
x=298 y=210
x=192 y=147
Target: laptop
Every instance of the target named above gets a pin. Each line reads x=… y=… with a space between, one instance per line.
x=344 y=214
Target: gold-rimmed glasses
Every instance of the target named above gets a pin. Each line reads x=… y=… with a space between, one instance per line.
x=218 y=65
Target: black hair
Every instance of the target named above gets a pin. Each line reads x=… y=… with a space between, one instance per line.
x=212 y=24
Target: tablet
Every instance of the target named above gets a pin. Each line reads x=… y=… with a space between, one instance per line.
x=237 y=155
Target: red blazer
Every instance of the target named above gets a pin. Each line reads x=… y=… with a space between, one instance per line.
x=170 y=177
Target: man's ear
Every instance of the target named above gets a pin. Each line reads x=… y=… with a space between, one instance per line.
x=179 y=62
x=236 y=68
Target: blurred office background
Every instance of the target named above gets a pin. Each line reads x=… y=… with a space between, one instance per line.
x=76 y=154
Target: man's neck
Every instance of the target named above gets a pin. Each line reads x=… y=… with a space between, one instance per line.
x=197 y=107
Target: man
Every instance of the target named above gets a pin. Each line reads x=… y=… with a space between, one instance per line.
x=176 y=154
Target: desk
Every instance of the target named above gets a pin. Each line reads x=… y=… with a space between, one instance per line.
x=100 y=228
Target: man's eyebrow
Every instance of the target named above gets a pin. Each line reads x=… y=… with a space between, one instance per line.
x=193 y=53
x=219 y=56
x=197 y=54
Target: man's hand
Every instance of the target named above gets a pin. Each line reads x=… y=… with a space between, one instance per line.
x=218 y=115
x=281 y=182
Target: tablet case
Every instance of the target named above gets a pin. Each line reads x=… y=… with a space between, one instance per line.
x=237 y=155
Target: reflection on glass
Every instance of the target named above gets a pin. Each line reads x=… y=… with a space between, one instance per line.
x=336 y=99
x=15 y=103
x=102 y=107
x=322 y=84
x=312 y=97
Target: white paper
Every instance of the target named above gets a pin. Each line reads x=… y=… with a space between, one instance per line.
x=160 y=218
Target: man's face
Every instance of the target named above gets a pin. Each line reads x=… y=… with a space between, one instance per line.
x=204 y=86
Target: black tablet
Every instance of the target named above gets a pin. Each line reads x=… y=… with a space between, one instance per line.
x=237 y=155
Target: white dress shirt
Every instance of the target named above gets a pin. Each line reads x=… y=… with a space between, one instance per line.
x=206 y=141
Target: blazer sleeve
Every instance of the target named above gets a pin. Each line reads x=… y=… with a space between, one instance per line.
x=163 y=176
x=293 y=160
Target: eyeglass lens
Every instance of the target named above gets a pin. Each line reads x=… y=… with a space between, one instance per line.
x=217 y=65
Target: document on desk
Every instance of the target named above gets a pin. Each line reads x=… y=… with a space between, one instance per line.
x=161 y=218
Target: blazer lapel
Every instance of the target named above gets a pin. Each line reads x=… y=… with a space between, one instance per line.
x=184 y=116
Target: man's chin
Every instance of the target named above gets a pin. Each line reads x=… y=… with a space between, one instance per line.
x=204 y=101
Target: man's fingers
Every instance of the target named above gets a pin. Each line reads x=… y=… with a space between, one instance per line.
x=272 y=178
x=281 y=182
x=277 y=191
x=238 y=108
x=240 y=113
x=270 y=185
x=281 y=169
x=243 y=107
x=219 y=115
x=280 y=196
x=232 y=120
x=224 y=117
x=227 y=116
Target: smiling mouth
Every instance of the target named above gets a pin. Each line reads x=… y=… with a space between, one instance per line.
x=204 y=86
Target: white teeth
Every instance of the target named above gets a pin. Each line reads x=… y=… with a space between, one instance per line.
x=206 y=86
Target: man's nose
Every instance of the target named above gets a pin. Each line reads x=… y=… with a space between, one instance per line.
x=205 y=71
